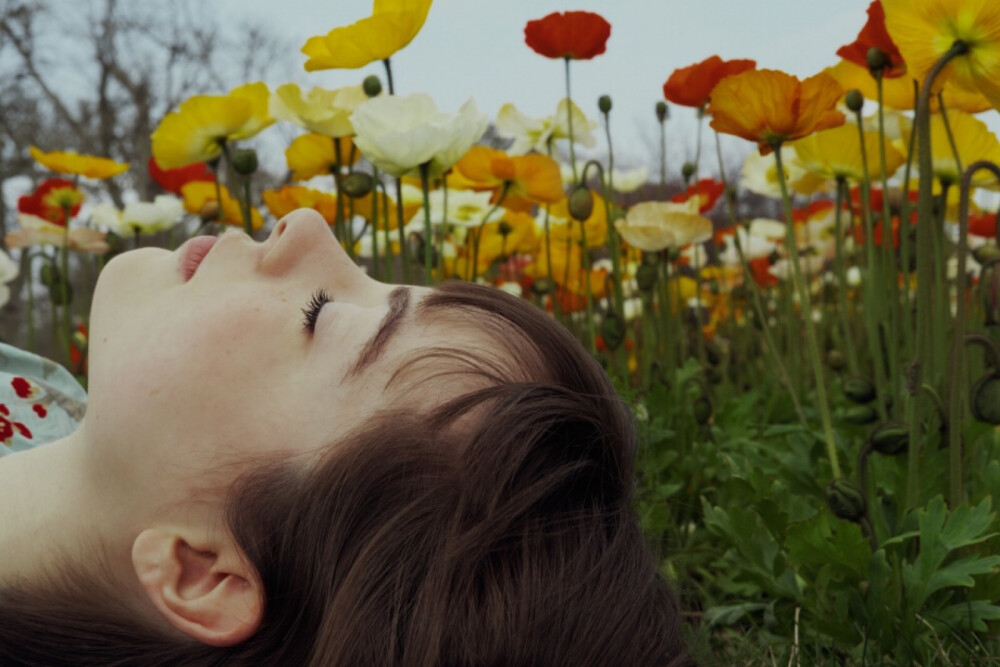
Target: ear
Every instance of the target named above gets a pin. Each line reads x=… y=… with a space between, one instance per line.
x=205 y=590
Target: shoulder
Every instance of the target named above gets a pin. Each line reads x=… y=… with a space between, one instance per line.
x=40 y=401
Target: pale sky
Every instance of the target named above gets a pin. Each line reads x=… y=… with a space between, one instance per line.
x=475 y=48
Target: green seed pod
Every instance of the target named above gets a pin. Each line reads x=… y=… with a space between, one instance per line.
x=604 y=103
x=687 y=171
x=878 y=59
x=645 y=277
x=985 y=399
x=835 y=360
x=371 y=85
x=49 y=274
x=702 y=410
x=845 y=500
x=890 y=439
x=356 y=184
x=854 y=100
x=859 y=390
x=581 y=203
x=613 y=331
x=986 y=253
x=662 y=111
x=542 y=286
x=61 y=294
x=245 y=161
x=860 y=414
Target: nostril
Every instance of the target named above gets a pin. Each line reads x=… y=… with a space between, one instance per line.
x=280 y=229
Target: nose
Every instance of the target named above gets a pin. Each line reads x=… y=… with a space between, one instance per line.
x=303 y=242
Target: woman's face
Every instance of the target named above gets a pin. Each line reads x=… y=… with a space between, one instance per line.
x=194 y=372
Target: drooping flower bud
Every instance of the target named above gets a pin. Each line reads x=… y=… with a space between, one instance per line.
x=581 y=203
x=662 y=111
x=845 y=500
x=835 y=360
x=245 y=161
x=356 y=184
x=859 y=390
x=986 y=253
x=890 y=439
x=371 y=85
x=860 y=414
x=645 y=277
x=854 y=99
x=612 y=331
x=604 y=103
x=985 y=399
x=49 y=274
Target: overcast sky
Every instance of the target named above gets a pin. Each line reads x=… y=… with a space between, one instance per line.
x=475 y=48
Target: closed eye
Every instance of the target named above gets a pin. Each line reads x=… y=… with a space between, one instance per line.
x=311 y=312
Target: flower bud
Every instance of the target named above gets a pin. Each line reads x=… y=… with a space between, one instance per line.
x=613 y=331
x=986 y=253
x=859 y=390
x=209 y=211
x=890 y=439
x=854 y=100
x=356 y=184
x=245 y=161
x=845 y=500
x=860 y=414
x=581 y=203
x=504 y=228
x=542 y=286
x=835 y=360
x=701 y=410
x=687 y=171
x=985 y=399
x=878 y=59
x=645 y=277
x=49 y=274
x=372 y=85
x=604 y=103
x=61 y=294
x=662 y=111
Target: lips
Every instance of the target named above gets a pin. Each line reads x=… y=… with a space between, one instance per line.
x=192 y=254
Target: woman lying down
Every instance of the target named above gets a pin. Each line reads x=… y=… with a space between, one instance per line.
x=285 y=462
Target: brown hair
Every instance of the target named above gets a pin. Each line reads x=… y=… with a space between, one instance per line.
x=494 y=529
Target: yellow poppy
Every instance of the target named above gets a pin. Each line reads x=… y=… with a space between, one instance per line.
x=203 y=123
x=562 y=226
x=75 y=163
x=531 y=179
x=200 y=198
x=924 y=30
x=313 y=155
x=837 y=154
x=771 y=107
x=326 y=112
x=654 y=226
x=514 y=235
x=567 y=269
x=291 y=197
x=392 y=25
x=973 y=140
x=897 y=93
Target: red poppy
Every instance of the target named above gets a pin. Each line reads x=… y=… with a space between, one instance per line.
x=51 y=201
x=802 y=215
x=875 y=201
x=172 y=180
x=874 y=34
x=571 y=35
x=692 y=86
x=760 y=273
x=983 y=224
x=707 y=190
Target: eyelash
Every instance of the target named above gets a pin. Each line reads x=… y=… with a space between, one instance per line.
x=311 y=312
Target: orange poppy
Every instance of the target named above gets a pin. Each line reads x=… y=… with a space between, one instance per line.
x=531 y=179
x=692 y=86
x=771 y=107
x=313 y=154
x=570 y=35
x=200 y=198
x=707 y=190
x=291 y=197
x=874 y=34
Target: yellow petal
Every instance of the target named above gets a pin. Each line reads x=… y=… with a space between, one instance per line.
x=75 y=163
x=837 y=154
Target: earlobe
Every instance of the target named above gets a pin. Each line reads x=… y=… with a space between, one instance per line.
x=206 y=591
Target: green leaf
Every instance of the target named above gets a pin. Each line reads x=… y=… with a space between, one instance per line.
x=970 y=615
x=731 y=613
x=824 y=541
x=960 y=573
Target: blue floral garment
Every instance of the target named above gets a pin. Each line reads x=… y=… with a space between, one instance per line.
x=40 y=401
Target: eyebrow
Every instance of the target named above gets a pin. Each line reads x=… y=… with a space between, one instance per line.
x=399 y=302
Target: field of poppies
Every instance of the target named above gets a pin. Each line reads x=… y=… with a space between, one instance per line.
x=818 y=395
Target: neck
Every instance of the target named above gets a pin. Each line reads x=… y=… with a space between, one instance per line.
x=49 y=509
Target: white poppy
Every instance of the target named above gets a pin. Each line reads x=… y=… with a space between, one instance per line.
x=534 y=133
x=323 y=111
x=162 y=213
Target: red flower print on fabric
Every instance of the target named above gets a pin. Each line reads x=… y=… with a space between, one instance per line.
x=22 y=387
x=39 y=410
x=8 y=426
x=4 y=410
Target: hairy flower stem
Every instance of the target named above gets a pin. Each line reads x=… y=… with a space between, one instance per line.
x=895 y=317
x=663 y=158
x=841 y=269
x=569 y=122
x=803 y=292
x=874 y=280
x=924 y=363
x=425 y=169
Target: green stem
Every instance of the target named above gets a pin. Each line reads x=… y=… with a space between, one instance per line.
x=895 y=318
x=569 y=122
x=821 y=399
x=479 y=228
x=841 y=269
x=376 y=268
x=663 y=159
x=428 y=239
x=338 y=220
